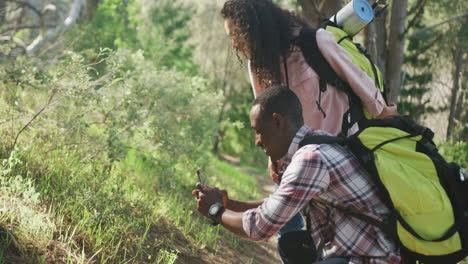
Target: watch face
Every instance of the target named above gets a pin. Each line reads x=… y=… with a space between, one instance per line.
x=214 y=209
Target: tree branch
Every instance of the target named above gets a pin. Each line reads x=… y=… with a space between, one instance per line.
x=438 y=24
x=52 y=33
x=416 y=7
x=14 y=39
x=424 y=49
x=419 y=9
x=32 y=119
x=26 y=4
x=16 y=29
x=102 y=79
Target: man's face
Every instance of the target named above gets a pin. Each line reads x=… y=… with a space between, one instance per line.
x=269 y=133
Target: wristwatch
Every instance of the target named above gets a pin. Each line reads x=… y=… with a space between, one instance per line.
x=215 y=210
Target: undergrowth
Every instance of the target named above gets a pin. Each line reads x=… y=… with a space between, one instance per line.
x=78 y=214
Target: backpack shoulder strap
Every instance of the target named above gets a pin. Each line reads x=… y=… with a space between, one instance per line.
x=307 y=42
x=323 y=139
x=385 y=226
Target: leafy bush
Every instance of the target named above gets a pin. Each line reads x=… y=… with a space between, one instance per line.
x=456 y=152
x=159 y=30
x=76 y=135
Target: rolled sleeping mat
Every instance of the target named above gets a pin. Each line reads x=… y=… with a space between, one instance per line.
x=354 y=16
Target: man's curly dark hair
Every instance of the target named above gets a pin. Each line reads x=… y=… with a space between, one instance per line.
x=267 y=31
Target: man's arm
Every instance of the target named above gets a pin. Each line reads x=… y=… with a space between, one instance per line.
x=242 y=206
x=233 y=205
x=232 y=221
x=304 y=179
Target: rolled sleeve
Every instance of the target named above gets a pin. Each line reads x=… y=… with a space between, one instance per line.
x=375 y=105
x=304 y=179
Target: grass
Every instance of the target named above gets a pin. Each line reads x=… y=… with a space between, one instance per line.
x=61 y=210
x=239 y=185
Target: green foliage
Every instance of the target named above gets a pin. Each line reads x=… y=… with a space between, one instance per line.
x=167 y=34
x=110 y=28
x=413 y=98
x=101 y=141
x=238 y=137
x=166 y=257
x=456 y=152
x=112 y=152
x=160 y=30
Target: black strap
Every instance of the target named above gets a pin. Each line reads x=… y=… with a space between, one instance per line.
x=393 y=139
x=285 y=64
x=322 y=88
x=384 y=226
x=323 y=139
x=343 y=38
x=450 y=232
x=354 y=114
x=307 y=42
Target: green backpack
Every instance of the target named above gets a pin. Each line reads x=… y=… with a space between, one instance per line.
x=308 y=43
x=427 y=196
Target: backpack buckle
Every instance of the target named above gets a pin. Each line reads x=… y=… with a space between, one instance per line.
x=463 y=174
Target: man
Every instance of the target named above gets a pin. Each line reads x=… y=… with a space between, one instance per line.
x=314 y=176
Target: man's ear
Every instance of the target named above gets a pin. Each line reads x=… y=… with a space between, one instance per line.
x=278 y=120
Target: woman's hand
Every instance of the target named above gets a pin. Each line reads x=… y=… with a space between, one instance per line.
x=388 y=111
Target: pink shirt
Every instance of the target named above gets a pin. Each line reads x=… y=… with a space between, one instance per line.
x=304 y=81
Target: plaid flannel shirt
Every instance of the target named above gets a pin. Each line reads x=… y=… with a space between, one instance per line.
x=329 y=173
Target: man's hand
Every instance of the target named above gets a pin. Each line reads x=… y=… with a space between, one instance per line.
x=273 y=170
x=207 y=196
x=231 y=219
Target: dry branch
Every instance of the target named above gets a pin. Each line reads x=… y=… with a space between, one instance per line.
x=69 y=21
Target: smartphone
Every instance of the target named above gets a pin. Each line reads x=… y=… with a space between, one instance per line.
x=201 y=178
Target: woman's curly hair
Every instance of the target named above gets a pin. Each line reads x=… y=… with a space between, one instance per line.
x=267 y=31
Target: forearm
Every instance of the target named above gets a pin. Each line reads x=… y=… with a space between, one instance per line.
x=361 y=84
x=242 y=206
x=232 y=221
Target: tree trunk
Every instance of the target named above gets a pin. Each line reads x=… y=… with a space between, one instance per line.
x=315 y=11
x=91 y=6
x=226 y=91
x=34 y=17
x=2 y=12
x=395 y=49
x=376 y=41
x=458 y=55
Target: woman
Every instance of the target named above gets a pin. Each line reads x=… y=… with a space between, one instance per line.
x=266 y=34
